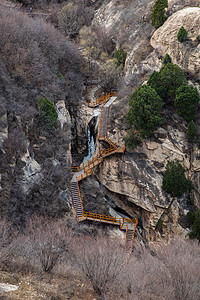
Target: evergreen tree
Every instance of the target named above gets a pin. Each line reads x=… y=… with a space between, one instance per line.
x=120 y=57
x=190 y=217
x=174 y=180
x=47 y=112
x=166 y=59
x=192 y=131
x=182 y=34
x=167 y=81
x=195 y=233
x=158 y=16
x=186 y=101
x=144 y=113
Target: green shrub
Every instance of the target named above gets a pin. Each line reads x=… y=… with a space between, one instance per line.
x=158 y=16
x=120 y=57
x=174 y=180
x=195 y=233
x=144 y=113
x=132 y=139
x=190 y=217
x=186 y=101
x=60 y=76
x=192 y=131
x=167 y=81
x=182 y=34
x=198 y=38
x=159 y=224
x=166 y=59
x=47 y=112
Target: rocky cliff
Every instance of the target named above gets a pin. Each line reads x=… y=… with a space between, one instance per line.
x=135 y=180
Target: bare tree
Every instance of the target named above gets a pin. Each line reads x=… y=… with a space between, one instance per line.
x=147 y=278
x=182 y=260
x=101 y=260
x=164 y=271
x=49 y=240
x=103 y=39
x=73 y=16
x=7 y=241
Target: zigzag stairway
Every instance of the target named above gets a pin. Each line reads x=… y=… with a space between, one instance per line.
x=86 y=169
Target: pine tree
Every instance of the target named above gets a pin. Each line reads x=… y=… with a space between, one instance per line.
x=144 y=113
x=195 y=233
x=182 y=34
x=120 y=57
x=192 y=131
x=158 y=16
x=47 y=112
x=166 y=59
x=167 y=81
x=186 y=101
x=174 y=180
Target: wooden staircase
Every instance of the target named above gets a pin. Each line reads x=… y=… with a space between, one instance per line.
x=86 y=169
x=77 y=203
x=101 y=101
x=103 y=123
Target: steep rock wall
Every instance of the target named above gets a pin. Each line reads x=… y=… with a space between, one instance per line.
x=185 y=54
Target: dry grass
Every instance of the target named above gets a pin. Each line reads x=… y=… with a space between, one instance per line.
x=46 y=287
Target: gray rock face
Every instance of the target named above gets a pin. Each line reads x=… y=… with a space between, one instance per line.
x=137 y=178
x=127 y=23
x=175 y=5
x=32 y=173
x=185 y=54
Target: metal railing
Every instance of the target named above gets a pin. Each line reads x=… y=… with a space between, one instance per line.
x=87 y=169
x=109 y=219
x=101 y=100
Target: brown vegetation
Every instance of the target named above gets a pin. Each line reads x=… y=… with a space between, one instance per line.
x=161 y=271
x=35 y=60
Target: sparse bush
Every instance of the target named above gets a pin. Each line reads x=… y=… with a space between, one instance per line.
x=195 y=233
x=159 y=224
x=198 y=38
x=7 y=241
x=158 y=16
x=104 y=39
x=166 y=59
x=190 y=217
x=132 y=139
x=48 y=240
x=192 y=131
x=186 y=101
x=182 y=34
x=144 y=112
x=101 y=261
x=120 y=57
x=174 y=180
x=73 y=16
x=180 y=259
x=47 y=111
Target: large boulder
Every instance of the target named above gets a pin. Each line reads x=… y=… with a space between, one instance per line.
x=185 y=54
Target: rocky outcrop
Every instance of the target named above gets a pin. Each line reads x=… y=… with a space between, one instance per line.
x=185 y=54
x=175 y=5
x=136 y=180
x=34 y=166
x=127 y=22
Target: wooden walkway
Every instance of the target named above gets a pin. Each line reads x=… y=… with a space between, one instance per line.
x=86 y=169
